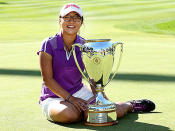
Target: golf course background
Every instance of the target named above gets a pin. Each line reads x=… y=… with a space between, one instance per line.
x=147 y=70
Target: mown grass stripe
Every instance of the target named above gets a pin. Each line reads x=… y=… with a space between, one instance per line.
x=106 y=9
x=134 y=11
x=144 y=12
x=122 y=4
x=117 y=9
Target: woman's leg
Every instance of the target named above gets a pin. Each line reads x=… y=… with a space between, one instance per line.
x=64 y=112
x=123 y=108
x=58 y=110
x=142 y=105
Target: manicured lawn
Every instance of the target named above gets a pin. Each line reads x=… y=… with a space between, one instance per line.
x=146 y=71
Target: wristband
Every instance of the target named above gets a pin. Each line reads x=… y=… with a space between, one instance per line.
x=68 y=97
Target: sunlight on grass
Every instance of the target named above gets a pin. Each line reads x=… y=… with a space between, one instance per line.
x=169 y=26
x=146 y=28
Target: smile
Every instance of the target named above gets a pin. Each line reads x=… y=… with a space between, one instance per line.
x=71 y=26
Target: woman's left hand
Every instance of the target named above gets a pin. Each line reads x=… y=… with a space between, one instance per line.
x=93 y=85
x=80 y=104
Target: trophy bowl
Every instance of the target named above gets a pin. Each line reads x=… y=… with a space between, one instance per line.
x=101 y=59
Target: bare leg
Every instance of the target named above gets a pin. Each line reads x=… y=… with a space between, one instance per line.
x=123 y=108
x=64 y=112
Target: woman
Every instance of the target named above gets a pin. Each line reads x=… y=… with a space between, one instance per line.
x=64 y=98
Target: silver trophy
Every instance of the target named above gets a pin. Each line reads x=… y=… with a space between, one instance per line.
x=101 y=59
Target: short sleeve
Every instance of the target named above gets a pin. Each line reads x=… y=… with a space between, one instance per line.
x=46 y=47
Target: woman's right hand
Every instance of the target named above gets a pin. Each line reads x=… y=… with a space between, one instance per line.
x=80 y=104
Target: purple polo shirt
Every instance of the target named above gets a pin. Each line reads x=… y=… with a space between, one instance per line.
x=65 y=72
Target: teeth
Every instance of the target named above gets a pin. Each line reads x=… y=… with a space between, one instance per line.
x=71 y=26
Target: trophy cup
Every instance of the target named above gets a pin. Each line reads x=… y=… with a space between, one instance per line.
x=101 y=59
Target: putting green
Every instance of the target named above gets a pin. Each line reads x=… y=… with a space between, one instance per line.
x=146 y=71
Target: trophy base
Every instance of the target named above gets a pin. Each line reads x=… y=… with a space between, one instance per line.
x=101 y=113
x=101 y=118
x=101 y=124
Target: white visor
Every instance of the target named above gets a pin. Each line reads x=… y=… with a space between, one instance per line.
x=69 y=8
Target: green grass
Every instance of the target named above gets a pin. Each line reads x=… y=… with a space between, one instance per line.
x=147 y=68
x=169 y=26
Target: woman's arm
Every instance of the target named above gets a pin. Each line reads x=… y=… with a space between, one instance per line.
x=50 y=82
x=47 y=74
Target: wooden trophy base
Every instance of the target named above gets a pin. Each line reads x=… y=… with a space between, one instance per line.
x=101 y=124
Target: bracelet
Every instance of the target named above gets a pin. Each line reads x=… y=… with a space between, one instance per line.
x=68 y=97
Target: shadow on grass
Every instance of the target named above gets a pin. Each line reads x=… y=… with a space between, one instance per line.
x=144 y=77
x=127 y=123
x=3 y=2
x=20 y=72
x=121 y=76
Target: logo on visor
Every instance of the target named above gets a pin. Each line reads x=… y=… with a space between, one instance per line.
x=67 y=6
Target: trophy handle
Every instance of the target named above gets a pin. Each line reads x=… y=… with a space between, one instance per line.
x=120 y=57
x=76 y=61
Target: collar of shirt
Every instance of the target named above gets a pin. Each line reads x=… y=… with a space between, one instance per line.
x=68 y=53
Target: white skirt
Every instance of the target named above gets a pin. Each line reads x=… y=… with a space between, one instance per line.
x=84 y=93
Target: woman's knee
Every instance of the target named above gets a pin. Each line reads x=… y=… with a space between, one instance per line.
x=67 y=115
x=71 y=116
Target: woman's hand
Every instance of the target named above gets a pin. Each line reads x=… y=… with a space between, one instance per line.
x=104 y=95
x=80 y=104
x=93 y=85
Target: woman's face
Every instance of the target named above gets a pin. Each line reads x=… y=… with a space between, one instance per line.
x=71 y=23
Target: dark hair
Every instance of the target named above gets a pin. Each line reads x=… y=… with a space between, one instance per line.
x=82 y=19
